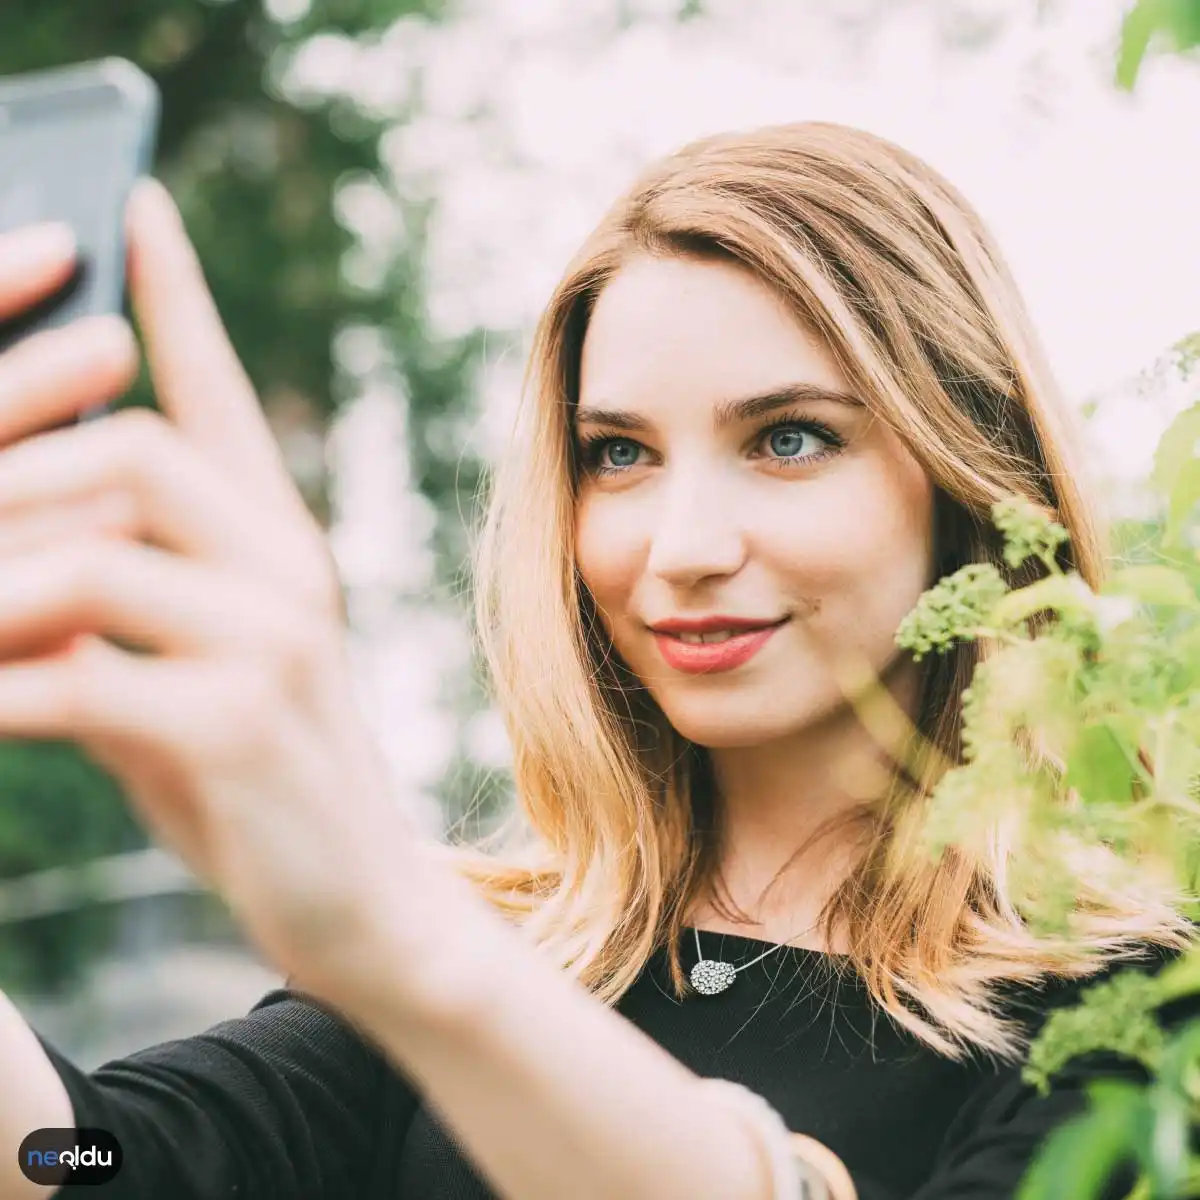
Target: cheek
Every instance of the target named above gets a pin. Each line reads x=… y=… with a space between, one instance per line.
x=607 y=552
x=896 y=550
x=868 y=557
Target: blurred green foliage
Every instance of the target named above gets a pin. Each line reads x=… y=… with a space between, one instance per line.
x=1173 y=25
x=56 y=809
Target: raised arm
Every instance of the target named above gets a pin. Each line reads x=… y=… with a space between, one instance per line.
x=38 y=1101
x=239 y=742
x=284 y=1103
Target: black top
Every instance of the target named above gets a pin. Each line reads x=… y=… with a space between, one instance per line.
x=290 y=1102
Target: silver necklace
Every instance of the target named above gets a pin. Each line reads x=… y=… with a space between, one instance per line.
x=710 y=975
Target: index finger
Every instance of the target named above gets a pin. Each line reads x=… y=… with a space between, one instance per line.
x=200 y=383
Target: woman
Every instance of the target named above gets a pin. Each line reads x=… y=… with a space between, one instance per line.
x=777 y=391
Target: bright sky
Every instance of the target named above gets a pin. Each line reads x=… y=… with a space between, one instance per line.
x=1090 y=191
x=538 y=112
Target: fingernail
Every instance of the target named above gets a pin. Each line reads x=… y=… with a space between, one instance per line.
x=37 y=245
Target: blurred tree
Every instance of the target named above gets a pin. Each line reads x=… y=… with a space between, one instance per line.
x=257 y=173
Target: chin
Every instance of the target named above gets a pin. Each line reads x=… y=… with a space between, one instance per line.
x=752 y=719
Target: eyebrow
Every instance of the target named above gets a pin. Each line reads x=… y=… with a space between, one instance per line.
x=728 y=412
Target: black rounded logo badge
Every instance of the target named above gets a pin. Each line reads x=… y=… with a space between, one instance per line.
x=70 y=1156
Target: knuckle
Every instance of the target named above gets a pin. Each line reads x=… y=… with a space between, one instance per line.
x=257 y=700
x=146 y=449
x=319 y=587
x=116 y=336
x=81 y=691
x=273 y=673
x=298 y=657
x=89 y=568
x=143 y=434
x=248 y=704
x=119 y=514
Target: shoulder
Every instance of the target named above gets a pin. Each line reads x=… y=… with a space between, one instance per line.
x=288 y=1099
x=1034 y=1003
x=1012 y=1107
x=290 y=1026
x=288 y=1042
x=1117 y=1015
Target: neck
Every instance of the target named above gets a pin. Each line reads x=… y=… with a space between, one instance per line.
x=775 y=798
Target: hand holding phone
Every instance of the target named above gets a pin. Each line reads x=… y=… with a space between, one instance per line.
x=47 y=381
x=198 y=655
x=73 y=141
x=172 y=471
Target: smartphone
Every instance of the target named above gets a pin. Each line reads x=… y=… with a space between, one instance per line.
x=73 y=140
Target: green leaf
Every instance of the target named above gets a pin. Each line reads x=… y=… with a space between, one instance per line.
x=1167 y=1154
x=1176 y=472
x=1167 y=1157
x=1099 y=766
x=1183 y=674
x=1188 y=346
x=1180 y=1058
x=1183 y=22
x=1063 y=593
x=1179 y=20
x=1078 y=1157
x=1181 y=502
x=1182 y=977
x=1153 y=584
x=1140 y=25
x=1176 y=447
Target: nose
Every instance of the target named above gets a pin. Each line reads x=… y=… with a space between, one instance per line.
x=697 y=533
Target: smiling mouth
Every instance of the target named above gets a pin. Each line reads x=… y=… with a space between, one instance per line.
x=718 y=635
x=715 y=651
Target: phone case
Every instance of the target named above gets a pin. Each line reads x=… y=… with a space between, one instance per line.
x=73 y=140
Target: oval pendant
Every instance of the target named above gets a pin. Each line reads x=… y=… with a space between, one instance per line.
x=709 y=976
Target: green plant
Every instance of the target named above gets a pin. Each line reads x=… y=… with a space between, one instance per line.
x=1175 y=22
x=1082 y=725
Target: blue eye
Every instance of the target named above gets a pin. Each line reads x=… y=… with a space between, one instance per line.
x=785 y=438
x=623 y=453
x=619 y=448
x=789 y=433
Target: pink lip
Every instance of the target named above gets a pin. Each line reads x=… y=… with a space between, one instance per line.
x=700 y=659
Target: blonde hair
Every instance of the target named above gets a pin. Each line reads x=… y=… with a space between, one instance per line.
x=615 y=826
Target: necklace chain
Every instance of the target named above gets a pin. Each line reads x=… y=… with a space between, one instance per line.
x=710 y=976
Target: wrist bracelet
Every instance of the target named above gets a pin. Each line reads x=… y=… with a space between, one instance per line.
x=801 y=1167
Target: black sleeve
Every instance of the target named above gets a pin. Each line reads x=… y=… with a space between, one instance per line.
x=996 y=1137
x=285 y=1103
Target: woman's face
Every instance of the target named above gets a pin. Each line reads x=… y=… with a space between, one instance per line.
x=796 y=506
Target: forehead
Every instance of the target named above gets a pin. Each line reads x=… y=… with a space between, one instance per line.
x=704 y=328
